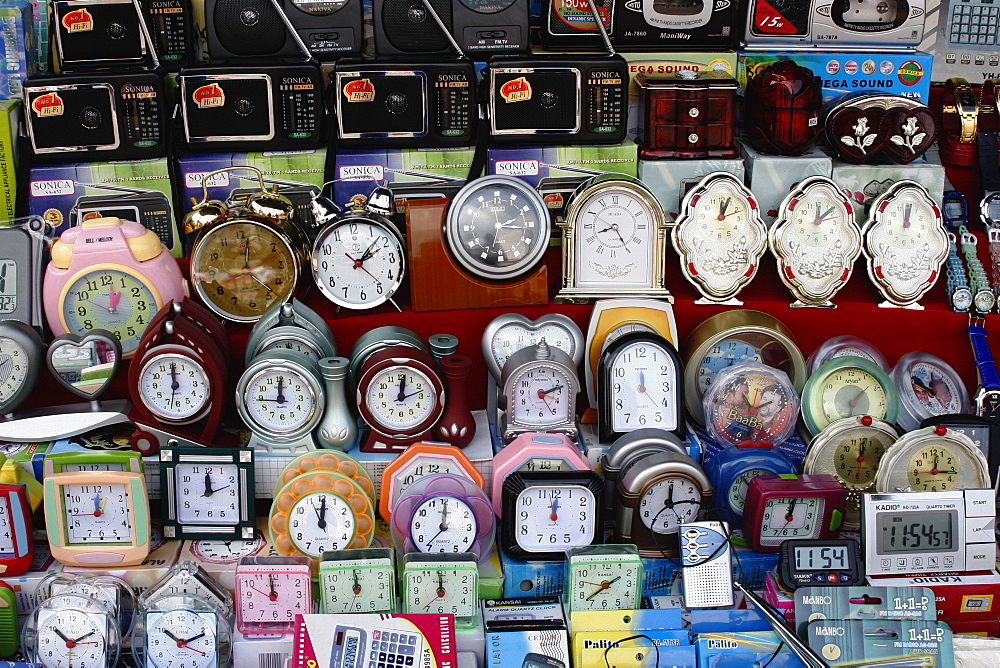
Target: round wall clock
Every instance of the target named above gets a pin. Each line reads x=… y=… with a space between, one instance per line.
x=905 y=243
x=614 y=241
x=815 y=241
x=497 y=227
x=720 y=238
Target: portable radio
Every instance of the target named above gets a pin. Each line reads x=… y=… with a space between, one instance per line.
x=403 y=104
x=98 y=34
x=99 y=116
x=890 y=25
x=404 y=27
x=148 y=207
x=263 y=29
x=272 y=107
x=569 y=23
x=171 y=28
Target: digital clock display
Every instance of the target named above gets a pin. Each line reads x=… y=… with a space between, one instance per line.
x=917 y=532
x=8 y=286
x=822 y=558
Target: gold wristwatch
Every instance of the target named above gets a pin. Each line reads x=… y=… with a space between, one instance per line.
x=961 y=100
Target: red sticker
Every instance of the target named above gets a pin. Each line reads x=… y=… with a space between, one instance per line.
x=516 y=90
x=49 y=104
x=78 y=20
x=359 y=90
x=210 y=95
x=770 y=21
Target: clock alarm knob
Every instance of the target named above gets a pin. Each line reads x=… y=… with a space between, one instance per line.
x=337 y=430
x=443 y=345
x=457 y=426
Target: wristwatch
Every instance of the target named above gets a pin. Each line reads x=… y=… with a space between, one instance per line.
x=987 y=398
x=960 y=113
x=989 y=177
x=983 y=297
x=959 y=292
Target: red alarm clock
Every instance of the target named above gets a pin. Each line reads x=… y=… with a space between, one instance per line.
x=17 y=546
x=779 y=507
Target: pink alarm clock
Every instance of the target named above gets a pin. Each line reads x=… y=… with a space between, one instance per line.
x=109 y=274
x=534 y=451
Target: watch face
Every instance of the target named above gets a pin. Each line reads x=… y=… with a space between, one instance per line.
x=961 y=299
x=280 y=400
x=441 y=591
x=668 y=503
x=935 y=389
x=241 y=269
x=54 y=626
x=498 y=227
x=791 y=517
x=614 y=239
x=541 y=397
x=358 y=263
x=13 y=368
x=182 y=638
x=321 y=521
x=109 y=299
x=643 y=385
x=174 y=387
x=443 y=524
x=97 y=514
x=555 y=517
x=208 y=494
x=991 y=209
x=400 y=398
x=363 y=586
x=736 y=497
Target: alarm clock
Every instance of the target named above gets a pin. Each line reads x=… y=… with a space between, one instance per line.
x=280 y=397
x=984 y=432
x=378 y=339
x=182 y=630
x=628 y=448
x=207 y=493
x=358 y=581
x=538 y=392
x=420 y=460
x=845 y=346
x=270 y=591
x=750 y=401
x=442 y=584
x=803 y=562
x=188 y=578
x=932 y=459
x=508 y=333
x=291 y=326
x=227 y=551
x=21 y=353
x=603 y=577
x=67 y=629
x=17 y=544
x=544 y=513
x=111 y=274
x=928 y=386
x=847 y=387
x=73 y=462
x=534 y=451
x=21 y=270
x=443 y=513
x=779 y=507
x=730 y=470
x=326 y=460
x=97 y=518
x=113 y=592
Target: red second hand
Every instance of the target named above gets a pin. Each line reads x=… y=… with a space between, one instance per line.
x=358 y=264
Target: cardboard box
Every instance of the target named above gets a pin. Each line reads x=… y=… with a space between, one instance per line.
x=963 y=42
x=863 y=183
x=960 y=597
x=771 y=177
x=10 y=115
x=420 y=169
x=670 y=179
x=261 y=651
x=138 y=190
x=25 y=586
x=513 y=648
x=40 y=23
x=906 y=74
x=20 y=53
x=316 y=635
x=29 y=455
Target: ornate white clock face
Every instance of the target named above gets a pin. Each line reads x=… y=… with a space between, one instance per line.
x=614 y=245
x=400 y=398
x=68 y=638
x=321 y=521
x=208 y=494
x=643 y=388
x=815 y=240
x=181 y=638
x=174 y=387
x=555 y=517
x=668 y=503
x=719 y=237
x=440 y=591
x=443 y=524
x=357 y=587
x=541 y=396
x=515 y=336
x=279 y=400
x=97 y=514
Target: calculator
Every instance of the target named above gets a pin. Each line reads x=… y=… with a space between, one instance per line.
x=972 y=23
x=353 y=648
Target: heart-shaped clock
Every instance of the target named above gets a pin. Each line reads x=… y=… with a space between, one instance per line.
x=873 y=128
x=85 y=365
x=511 y=332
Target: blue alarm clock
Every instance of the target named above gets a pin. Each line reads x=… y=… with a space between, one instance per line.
x=731 y=469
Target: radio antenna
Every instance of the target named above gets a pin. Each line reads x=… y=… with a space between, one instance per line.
x=600 y=27
x=291 y=30
x=447 y=33
x=144 y=29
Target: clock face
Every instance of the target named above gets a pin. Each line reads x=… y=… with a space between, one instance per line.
x=737 y=494
x=280 y=400
x=13 y=368
x=186 y=581
x=182 y=638
x=106 y=593
x=516 y=336
x=6 y=528
x=443 y=524
x=668 y=503
x=54 y=626
x=8 y=286
x=723 y=355
x=850 y=391
x=791 y=517
x=227 y=551
x=207 y=494
x=498 y=227
x=441 y=591
x=753 y=403
x=174 y=387
x=605 y=585
x=321 y=521
x=97 y=513
x=295 y=345
x=546 y=464
x=817 y=220
x=400 y=398
x=109 y=299
x=555 y=517
x=643 y=387
x=614 y=240
x=274 y=598
x=358 y=263
x=935 y=390
x=241 y=269
x=856 y=459
x=362 y=586
x=908 y=222
x=934 y=469
x=541 y=396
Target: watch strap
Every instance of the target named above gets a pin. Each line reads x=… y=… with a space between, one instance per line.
x=989 y=162
x=993 y=234
x=955 y=274
x=989 y=379
x=983 y=296
x=989 y=106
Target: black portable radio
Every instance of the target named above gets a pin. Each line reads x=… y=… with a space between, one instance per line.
x=149 y=207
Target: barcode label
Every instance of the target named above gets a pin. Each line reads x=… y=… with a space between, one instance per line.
x=272 y=660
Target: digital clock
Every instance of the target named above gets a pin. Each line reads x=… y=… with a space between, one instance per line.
x=830 y=562
x=919 y=532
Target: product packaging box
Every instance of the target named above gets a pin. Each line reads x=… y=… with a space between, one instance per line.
x=743 y=649
x=668 y=26
x=10 y=115
x=271 y=650
x=771 y=177
x=299 y=175
x=671 y=179
x=40 y=23
x=137 y=190
x=962 y=36
x=779 y=597
x=863 y=183
x=906 y=74
x=29 y=455
x=162 y=556
x=539 y=648
x=25 y=586
x=337 y=640
x=873 y=642
x=20 y=53
x=960 y=597
x=915 y=603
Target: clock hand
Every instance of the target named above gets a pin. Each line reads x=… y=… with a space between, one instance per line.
x=174 y=385
x=440 y=590
x=86 y=635
x=249 y=270
x=261 y=283
x=357 y=583
x=615 y=228
x=322 y=513
x=732 y=213
x=208 y=486
x=550 y=390
x=605 y=585
x=62 y=636
x=723 y=205
x=171 y=635
x=193 y=638
x=113 y=298
x=221 y=488
x=359 y=264
x=280 y=398
x=246 y=256
x=554 y=507
x=542 y=396
x=370 y=251
x=907 y=208
x=411 y=394
x=854 y=402
x=402 y=388
x=273 y=595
